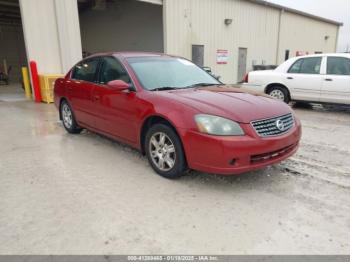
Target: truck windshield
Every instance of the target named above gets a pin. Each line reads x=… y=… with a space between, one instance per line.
x=166 y=73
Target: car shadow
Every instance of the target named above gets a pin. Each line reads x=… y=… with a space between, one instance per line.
x=263 y=178
x=322 y=107
x=255 y=179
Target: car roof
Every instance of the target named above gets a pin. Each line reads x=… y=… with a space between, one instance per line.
x=128 y=54
x=326 y=54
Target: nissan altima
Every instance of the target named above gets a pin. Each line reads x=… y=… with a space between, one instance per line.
x=176 y=114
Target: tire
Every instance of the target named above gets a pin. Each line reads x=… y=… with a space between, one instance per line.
x=167 y=153
x=68 y=118
x=279 y=93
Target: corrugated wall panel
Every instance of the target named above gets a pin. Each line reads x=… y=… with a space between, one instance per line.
x=299 y=33
x=254 y=27
x=177 y=39
x=202 y=22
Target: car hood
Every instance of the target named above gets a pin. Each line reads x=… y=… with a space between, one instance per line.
x=232 y=103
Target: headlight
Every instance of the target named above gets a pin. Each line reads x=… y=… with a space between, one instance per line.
x=215 y=125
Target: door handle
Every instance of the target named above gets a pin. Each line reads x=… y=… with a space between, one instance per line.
x=70 y=88
x=95 y=98
x=329 y=79
x=290 y=78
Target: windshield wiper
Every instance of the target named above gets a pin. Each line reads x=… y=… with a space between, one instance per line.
x=202 y=84
x=163 y=88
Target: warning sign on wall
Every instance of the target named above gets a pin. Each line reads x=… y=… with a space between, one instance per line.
x=221 y=56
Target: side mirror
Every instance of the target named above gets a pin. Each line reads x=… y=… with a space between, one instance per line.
x=207 y=69
x=119 y=85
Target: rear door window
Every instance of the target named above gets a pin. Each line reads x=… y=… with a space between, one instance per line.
x=310 y=65
x=295 y=68
x=86 y=70
x=338 y=66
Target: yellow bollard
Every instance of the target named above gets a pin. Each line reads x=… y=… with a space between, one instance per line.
x=26 y=82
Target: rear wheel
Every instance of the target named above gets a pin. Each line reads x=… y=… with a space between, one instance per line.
x=68 y=119
x=164 y=151
x=279 y=93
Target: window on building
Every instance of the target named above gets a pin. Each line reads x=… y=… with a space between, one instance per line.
x=86 y=70
x=338 y=66
x=310 y=65
x=198 y=55
x=112 y=70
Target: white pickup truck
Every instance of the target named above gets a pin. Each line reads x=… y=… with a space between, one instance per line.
x=323 y=78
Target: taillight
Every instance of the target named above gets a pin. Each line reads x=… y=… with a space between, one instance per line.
x=246 y=78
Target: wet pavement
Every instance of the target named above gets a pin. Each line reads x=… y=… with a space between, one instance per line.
x=85 y=194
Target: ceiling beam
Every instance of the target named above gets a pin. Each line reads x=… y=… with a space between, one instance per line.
x=9 y=15
x=6 y=3
x=2 y=19
x=9 y=9
x=156 y=2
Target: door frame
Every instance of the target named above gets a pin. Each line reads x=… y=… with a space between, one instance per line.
x=239 y=76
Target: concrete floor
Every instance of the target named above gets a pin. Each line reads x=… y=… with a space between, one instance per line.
x=84 y=194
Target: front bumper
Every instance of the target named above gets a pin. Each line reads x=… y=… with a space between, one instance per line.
x=235 y=155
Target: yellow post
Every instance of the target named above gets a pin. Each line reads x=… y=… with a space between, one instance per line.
x=26 y=82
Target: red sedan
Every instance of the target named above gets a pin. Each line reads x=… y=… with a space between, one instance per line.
x=176 y=113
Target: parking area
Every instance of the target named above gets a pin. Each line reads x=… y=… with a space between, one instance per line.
x=85 y=194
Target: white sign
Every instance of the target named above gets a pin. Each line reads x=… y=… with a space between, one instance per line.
x=221 y=56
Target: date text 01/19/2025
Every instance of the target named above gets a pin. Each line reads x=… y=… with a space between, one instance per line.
x=173 y=258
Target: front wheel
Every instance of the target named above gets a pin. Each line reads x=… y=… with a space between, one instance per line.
x=164 y=151
x=68 y=119
x=280 y=93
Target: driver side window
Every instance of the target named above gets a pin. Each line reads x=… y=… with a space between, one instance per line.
x=112 y=70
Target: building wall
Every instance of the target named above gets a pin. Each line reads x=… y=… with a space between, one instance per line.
x=12 y=49
x=123 y=26
x=51 y=33
x=255 y=27
x=299 y=33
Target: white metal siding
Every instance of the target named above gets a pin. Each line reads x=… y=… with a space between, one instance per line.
x=299 y=33
x=51 y=33
x=255 y=27
x=202 y=22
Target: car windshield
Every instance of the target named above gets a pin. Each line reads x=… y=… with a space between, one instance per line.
x=166 y=73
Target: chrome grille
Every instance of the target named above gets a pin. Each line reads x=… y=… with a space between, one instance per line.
x=273 y=126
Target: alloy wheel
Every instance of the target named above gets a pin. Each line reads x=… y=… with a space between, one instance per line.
x=162 y=151
x=67 y=116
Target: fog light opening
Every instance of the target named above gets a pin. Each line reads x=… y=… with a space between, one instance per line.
x=232 y=162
